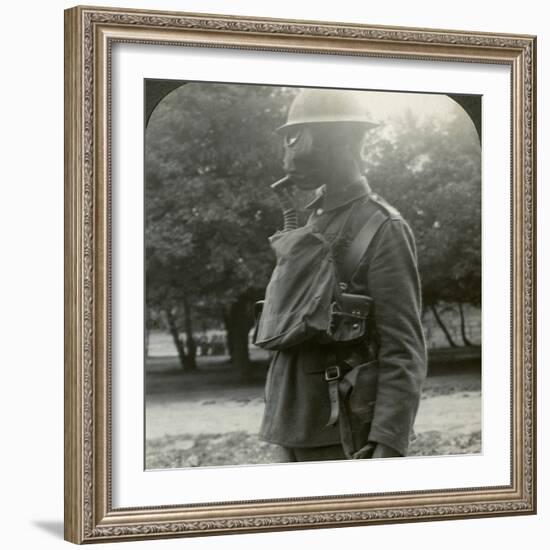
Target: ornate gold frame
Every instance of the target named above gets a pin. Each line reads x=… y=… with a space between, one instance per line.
x=89 y=35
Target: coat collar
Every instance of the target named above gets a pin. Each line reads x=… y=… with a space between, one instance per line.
x=345 y=195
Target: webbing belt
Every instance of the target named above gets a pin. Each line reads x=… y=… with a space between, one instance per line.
x=339 y=389
x=360 y=245
x=332 y=376
x=338 y=386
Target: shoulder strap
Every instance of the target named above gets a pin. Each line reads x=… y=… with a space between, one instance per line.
x=323 y=222
x=360 y=244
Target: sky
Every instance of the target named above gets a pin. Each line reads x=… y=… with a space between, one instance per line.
x=384 y=105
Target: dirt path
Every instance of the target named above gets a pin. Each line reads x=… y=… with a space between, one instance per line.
x=456 y=413
x=205 y=424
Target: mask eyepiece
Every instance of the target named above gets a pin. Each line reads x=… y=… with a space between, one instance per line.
x=292 y=137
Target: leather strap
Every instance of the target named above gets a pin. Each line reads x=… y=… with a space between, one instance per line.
x=334 y=402
x=346 y=432
x=360 y=245
x=339 y=389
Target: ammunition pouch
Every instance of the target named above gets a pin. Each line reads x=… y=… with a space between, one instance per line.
x=349 y=318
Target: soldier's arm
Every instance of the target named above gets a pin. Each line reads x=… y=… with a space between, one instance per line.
x=393 y=283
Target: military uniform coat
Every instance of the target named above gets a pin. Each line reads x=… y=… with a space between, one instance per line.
x=297 y=404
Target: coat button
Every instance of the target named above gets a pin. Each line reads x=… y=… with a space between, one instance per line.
x=319 y=211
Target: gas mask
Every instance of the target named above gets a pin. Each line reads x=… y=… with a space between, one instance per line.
x=316 y=155
x=307 y=156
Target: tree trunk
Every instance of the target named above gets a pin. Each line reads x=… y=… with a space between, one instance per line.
x=240 y=321
x=228 y=331
x=443 y=327
x=191 y=359
x=147 y=331
x=463 y=326
x=173 y=328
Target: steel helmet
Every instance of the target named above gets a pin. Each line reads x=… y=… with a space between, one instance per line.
x=318 y=105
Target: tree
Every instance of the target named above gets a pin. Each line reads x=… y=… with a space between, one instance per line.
x=431 y=171
x=210 y=156
x=167 y=293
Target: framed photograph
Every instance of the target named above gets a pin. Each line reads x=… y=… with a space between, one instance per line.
x=299 y=274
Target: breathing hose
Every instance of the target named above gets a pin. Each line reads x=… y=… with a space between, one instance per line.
x=290 y=217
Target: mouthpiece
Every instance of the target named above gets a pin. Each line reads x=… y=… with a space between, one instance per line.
x=290 y=217
x=281 y=184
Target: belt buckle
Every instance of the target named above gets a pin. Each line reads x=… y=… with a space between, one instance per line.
x=332 y=373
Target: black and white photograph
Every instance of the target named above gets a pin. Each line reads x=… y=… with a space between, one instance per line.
x=300 y=274
x=274 y=275
x=312 y=274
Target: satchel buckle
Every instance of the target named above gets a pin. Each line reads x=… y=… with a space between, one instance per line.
x=332 y=373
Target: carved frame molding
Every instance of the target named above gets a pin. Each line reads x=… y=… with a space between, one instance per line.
x=89 y=35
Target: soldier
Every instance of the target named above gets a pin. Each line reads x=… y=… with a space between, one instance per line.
x=310 y=412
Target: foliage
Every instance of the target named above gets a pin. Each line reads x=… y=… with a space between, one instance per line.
x=431 y=171
x=211 y=154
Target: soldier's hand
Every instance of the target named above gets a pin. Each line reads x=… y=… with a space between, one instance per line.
x=383 y=451
x=375 y=450
x=365 y=452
